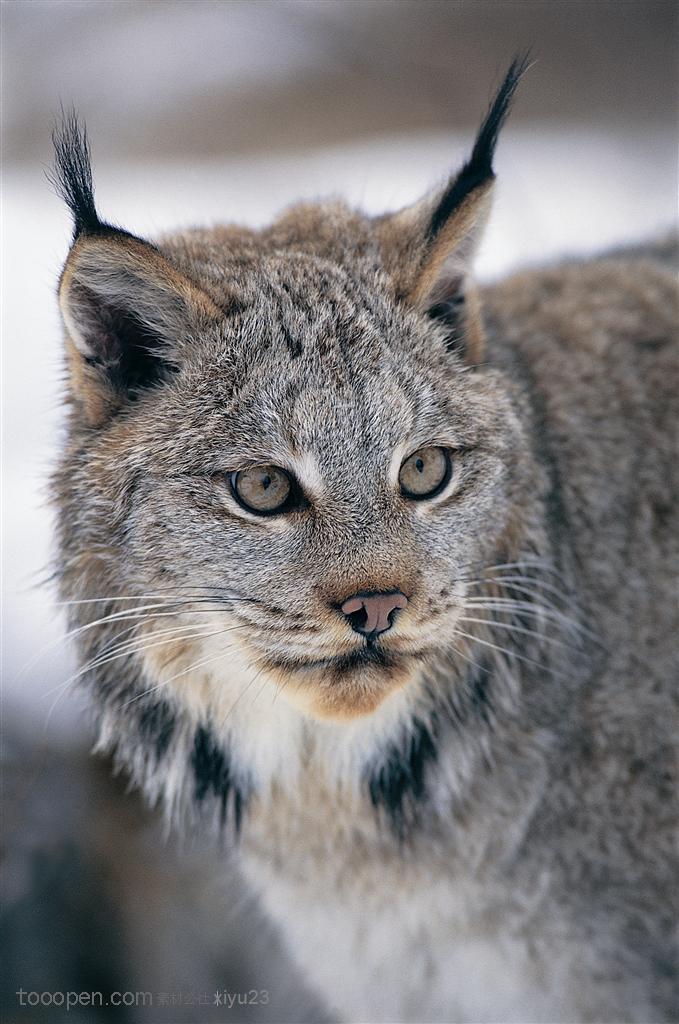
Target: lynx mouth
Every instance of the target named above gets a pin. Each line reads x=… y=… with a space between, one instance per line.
x=348 y=685
x=370 y=655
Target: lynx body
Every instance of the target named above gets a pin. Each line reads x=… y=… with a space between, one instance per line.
x=439 y=711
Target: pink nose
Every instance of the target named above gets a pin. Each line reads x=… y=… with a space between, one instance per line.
x=372 y=614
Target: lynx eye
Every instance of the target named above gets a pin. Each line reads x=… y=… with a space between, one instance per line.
x=425 y=473
x=264 y=490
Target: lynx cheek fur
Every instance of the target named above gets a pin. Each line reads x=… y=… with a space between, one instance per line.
x=378 y=573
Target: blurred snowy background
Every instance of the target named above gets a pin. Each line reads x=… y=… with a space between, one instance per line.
x=206 y=111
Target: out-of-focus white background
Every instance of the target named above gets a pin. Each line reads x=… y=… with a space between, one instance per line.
x=200 y=112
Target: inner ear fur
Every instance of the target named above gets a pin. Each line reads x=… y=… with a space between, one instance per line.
x=433 y=274
x=128 y=314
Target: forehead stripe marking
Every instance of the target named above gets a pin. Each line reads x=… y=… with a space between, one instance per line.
x=294 y=344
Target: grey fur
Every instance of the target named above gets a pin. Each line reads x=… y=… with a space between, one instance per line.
x=528 y=790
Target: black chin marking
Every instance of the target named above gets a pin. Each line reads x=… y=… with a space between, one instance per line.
x=478 y=690
x=397 y=784
x=399 y=781
x=157 y=725
x=212 y=772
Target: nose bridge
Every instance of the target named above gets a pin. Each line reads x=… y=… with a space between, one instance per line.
x=364 y=503
x=369 y=582
x=366 y=560
x=366 y=547
x=361 y=532
x=362 y=492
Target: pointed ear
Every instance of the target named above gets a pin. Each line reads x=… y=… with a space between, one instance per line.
x=128 y=312
x=128 y=315
x=428 y=248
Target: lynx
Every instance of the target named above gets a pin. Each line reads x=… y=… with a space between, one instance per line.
x=373 y=571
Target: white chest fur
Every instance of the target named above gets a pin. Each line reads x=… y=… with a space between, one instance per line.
x=389 y=942
x=380 y=936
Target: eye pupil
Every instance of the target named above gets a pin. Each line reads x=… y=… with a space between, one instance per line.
x=419 y=465
x=266 y=482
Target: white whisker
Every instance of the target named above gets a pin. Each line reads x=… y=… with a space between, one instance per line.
x=537 y=611
x=540 y=564
x=196 y=664
x=529 y=583
x=547 y=606
x=509 y=653
x=122 y=616
x=135 y=615
x=103 y=660
x=240 y=696
x=516 y=629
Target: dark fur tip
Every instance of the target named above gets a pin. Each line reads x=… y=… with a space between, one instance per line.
x=72 y=173
x=479 y=168
x=486 y=139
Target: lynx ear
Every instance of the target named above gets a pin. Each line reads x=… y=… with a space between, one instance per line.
x=127 y=311
x=428 y=248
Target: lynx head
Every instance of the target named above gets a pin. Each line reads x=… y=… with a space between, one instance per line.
x=283 y=444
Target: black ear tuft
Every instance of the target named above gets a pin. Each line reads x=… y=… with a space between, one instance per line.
x=72 y=173
x=479 y=168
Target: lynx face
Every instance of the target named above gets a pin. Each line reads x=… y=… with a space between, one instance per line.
x=333 y=420
x=284 y=439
